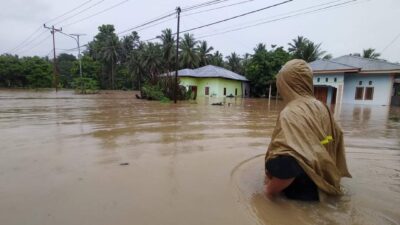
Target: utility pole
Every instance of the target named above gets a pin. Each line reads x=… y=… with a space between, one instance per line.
x=55 y=69
x=178 y=11
x=79 y=52
x=76 y=38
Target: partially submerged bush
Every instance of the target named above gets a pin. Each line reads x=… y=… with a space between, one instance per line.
x=85 y=85
x=164 y=90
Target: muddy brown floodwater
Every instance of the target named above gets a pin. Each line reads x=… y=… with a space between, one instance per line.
x=190 y=163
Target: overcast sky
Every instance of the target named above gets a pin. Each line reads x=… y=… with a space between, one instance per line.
x=342 y=30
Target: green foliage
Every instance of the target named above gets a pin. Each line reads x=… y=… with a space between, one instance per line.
x=110 y=62
x=65 y=64
x=262 y=67
x=85 y=85
x=38 y=72
x=302 y=48
x=370 y=53
x=152 y=92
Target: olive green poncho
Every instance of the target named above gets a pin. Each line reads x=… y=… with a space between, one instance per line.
x=306 y=130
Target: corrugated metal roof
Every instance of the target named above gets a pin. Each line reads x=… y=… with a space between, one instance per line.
x=327 y=65
x=366 y=64
x=211 y=71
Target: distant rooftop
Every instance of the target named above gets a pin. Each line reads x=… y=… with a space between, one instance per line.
x=350 y=63
x=211 y=71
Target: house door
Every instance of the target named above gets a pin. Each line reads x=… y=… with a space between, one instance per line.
x=321 y=93
x=334 y=93
x=194 y=92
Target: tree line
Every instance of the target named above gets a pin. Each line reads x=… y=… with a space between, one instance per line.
x=111 y=62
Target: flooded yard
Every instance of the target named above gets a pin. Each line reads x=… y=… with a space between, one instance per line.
x=112 y=159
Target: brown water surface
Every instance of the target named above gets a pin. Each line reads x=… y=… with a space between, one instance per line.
x=190 y=163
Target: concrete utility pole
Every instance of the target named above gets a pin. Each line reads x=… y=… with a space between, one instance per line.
x=178 y=11
x=55 y=69
x=79 y=51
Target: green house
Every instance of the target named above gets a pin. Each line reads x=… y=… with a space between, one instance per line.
x=214 y=81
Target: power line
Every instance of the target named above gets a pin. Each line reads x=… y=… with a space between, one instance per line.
x=80 y=12
x=231 y=18
x=39 y=43
x=25 y=40
x=95 y=14
x=204 y=4
x=293 y=11
x=32 y=36
x=147 y=23
x=29 y=42
x=69 y=11
x=241 y=15
x=278 y=19
x=220 y=7
x=390 y=43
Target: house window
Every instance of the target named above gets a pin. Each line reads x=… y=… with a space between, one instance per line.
x=326 y=79
x=207 y=91
x=359 y=93
x=335 y=80
x=369 y=93
x=224 y=91
x=360 y=82
x=370 y=82
x=318 y=79
x=235 y=91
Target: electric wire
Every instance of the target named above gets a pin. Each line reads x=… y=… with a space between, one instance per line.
x=80 y=12
x=237 y=16
x=26 y=45
x=390 y=43
x=220 y=7
x=97 y=13
x=25 y=40
x=36 y=45
x=69 y=11
x=278 y=19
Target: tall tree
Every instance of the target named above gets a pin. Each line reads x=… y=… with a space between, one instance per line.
x=370 y=53
x=151 y=60
x=189 y=53
x=234 y=63
x=106 y=48
x=217 y=59
x=168 y=48
x=302 y=48
x=262 y=67
x=65 y=64
x=204 y=53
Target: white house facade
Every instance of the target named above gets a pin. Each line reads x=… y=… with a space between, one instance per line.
x=356 y=80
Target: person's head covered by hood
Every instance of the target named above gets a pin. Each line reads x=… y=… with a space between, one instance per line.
x=295 y=80
x=307 y=144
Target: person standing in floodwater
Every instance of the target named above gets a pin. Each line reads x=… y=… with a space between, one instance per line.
x=306 y=153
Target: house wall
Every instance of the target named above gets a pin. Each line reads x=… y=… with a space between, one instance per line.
x=329 y=80
x=382 y=83
x=216 y=86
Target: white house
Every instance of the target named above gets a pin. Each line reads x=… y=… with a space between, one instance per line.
x=356 y=80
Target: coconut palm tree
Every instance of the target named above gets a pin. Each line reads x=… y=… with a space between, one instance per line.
x=109 y=54
x=302 y=48
x=217 y=59
x=370 y=54
x=168 y=48
x=204 y=53
x=189 y=53
x=151 y=58
x=234 y=63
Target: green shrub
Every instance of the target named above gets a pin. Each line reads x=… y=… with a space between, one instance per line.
x=85 y=85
